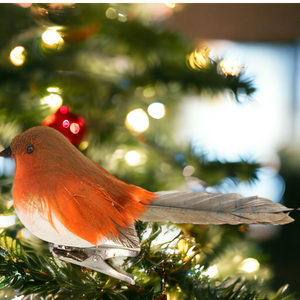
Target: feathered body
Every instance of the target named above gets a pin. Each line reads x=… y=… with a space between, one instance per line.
x=66 y=189
x=63 y=197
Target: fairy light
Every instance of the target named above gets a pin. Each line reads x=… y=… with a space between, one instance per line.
x=171 y=5
x=6 y=221
x=51 y=37
x=137 y=121
x=53 y=89
x=133 y=158
x=75 y=128
x=16 y=56
x=199 y=59
x=231 y=66
x=211 y=271
x=53 y=100
x=249 y=265
x=156 y=110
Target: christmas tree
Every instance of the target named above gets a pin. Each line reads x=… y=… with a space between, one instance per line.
x=112 y=82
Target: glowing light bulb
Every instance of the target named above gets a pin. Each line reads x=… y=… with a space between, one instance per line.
x=51 y=37
x=53 y=100
x=137 y=121
x=53 y=89
x=133 y=158
x=6 y=221
x=211 y=271
x=231 y=66
x=156 y=110
x=199 y=59
x=249 y=265
x=16 y=56
x=171 y=5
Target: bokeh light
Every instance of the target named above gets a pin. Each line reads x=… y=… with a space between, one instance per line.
x=211 y=271
x=171 y=5
x=249 y=265
x=199 y=59
x=53 y=100
x=53 y=89
x=51 y=37
x=16 y=56
x=133 y=158
x=137 y=121
x=231 y=66
x=156 y=110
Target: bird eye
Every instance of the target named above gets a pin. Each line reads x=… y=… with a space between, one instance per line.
x=29 y=149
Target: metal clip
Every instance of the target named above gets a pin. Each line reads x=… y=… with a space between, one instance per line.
x=94 y=258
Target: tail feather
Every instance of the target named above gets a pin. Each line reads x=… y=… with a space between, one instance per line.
x=205 y=208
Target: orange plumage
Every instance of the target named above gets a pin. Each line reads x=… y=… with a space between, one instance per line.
x=58 y=180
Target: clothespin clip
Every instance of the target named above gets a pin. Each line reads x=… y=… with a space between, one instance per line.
x=94 y=258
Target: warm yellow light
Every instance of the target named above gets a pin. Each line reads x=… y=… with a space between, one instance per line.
x=156 y=110
x=133 y=158
x=137 y=121
x=83 y=145
x=171 y=5
x=199 y=59
x=51 y=37
x=231 y=66
x=16 y=56
x=53 y=100
x=6 y=221
x=53 y=89
x=211 y=271
x=249 y=265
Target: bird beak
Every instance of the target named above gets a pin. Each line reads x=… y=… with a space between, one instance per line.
x=6 y=153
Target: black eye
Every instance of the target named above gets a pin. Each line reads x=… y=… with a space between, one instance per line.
x=29 y=149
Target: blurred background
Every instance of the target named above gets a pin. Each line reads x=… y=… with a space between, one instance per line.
x=123 y=83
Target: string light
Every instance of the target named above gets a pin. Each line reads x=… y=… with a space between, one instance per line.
x=231 y=66
x=211 y=271
x=133 y=158
x=16 y=56
x=53 y=100
x=249 y=265
x=171 y=5
x=156 y=110
x=199 y=59
x=137 y=121
x=53 y=89
x=51 y=37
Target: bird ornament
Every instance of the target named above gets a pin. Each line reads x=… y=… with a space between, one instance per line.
x=88 y=215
